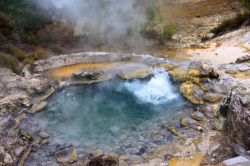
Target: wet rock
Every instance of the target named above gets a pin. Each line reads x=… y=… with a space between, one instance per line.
x=174 y=131
x=166 y=66
x=179 y=75
x=109 y=160
x=212 y=97
x=96 y=154
x=45 y=142
x=198 y=69
x=67 y=155
x=43 y=134
x=190 y=123
x=198 y=116
x=192 y=92
x=237 y=124
x=140 y=73
x=38 y=107
x=8 y=159
x=210 y=111
x=239 y=150
x=86 y=76
x=223 y=86
x=243 y=59
x=18 y=150
x=237 y=161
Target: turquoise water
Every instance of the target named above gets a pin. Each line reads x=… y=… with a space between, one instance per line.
x=108 y=114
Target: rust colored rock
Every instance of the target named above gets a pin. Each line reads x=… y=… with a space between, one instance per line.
x=192 y=93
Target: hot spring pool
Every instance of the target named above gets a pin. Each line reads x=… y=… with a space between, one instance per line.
x=111 y=115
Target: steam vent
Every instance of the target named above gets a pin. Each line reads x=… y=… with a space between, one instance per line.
x=125 y=83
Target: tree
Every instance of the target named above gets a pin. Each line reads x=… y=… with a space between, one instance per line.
x=27 y=14
x=246 y=3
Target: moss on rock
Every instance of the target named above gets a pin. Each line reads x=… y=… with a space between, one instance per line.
x=192 y=92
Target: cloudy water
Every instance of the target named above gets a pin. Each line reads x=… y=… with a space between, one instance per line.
x=107 y=115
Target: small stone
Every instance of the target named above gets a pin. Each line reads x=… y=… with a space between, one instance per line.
x=236 y=161
x=210 y=111
x=8 y=159
x=38 y=107
x=174 y=131
x=212 y=97
x=198 y=116
x=18 y=151
x=190 y=123
x=199 y=128
x=67 y=155
x=45 y=142
x=43 y=134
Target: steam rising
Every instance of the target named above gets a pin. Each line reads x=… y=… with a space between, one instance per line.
x=102 y=19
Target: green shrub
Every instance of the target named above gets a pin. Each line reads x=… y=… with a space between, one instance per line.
x=10 y=49
x=6 y=24
x=246 y=3
x=29 y=60
x=155 y=28
x=9 y=61
x=166 y=33
x=26 y=13
x=29 y=38
x=160 y=32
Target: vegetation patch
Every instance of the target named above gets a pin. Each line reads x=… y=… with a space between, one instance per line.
x=155 y=28
x=12 y=50
x=246 y=3
x=9 y=61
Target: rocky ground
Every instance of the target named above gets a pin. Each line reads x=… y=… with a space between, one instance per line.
x=215 y=132
x=199 y=140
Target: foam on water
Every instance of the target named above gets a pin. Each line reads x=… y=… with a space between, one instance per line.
x=157 y=90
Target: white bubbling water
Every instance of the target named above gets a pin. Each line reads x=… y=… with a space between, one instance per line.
x=157 y=90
